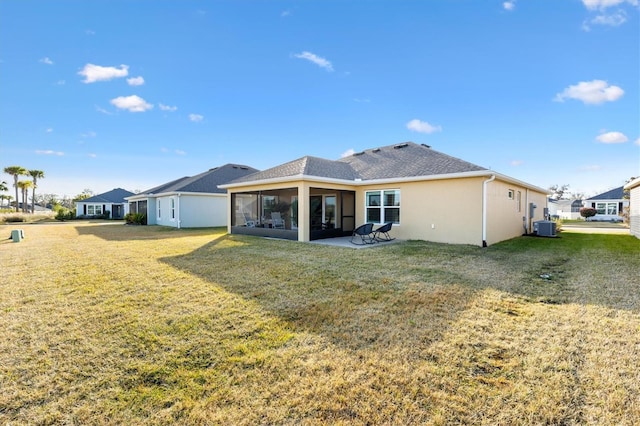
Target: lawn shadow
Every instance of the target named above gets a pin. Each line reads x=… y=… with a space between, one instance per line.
x=354 y=298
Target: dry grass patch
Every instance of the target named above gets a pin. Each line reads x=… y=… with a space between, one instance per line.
x=111 y=324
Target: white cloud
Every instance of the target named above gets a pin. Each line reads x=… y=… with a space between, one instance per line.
x=135 y=81
x=90 y=32
x=516 y=163
x=591 y=168
x=196 y=117
x=285 y=13
x=89 y=134
x=613 y=20
x=591 y=92
x=92 y=155
x=362 y=100
x=133 y=103
x=61 y=82
x=604 y=4
x=180 y=152
x=348 y=153
x=164 y=107
x=46 y=60
x=319 y=61
x=422 y=126
x=612 y=137
x=637 y=142
x=49 y=152
x=102 y=110
x=49 y=130
x=93 y=73
x=509 y=5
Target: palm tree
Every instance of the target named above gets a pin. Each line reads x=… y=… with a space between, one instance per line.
x=15 y=171
x=24 y=185
x=35 y=174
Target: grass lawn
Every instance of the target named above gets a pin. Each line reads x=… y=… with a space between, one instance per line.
x=114 y=324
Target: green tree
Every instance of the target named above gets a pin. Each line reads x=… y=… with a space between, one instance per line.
x=24 y=186
x=35 y=175
x=3 y=186
x=588 y=212
x=15 y=171
x=559 y=191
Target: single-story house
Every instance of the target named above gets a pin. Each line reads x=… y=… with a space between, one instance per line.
x=112 y=203
x=609 y=205
x=426 y=194
x=634 y=206
x=191 y=201
x=565 y=209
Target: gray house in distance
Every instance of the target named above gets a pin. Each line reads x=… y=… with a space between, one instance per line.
x=191 y=201
x=113 y=202
x=609 y=205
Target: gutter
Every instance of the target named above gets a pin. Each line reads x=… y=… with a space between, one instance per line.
x=484 y=209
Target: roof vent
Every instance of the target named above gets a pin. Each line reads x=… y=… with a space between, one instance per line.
x=425 y=145
x=359 y=153
x=402 y=145
x=375 y=150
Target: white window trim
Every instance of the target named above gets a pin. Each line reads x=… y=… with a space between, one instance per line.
x=382 y=206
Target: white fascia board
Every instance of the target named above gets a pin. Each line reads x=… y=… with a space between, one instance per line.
x=296 y=178
x=632 y=184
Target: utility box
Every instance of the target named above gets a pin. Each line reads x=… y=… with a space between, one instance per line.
x=17 y=235
x=544 y=228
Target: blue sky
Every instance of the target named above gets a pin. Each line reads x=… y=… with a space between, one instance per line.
x=133 y=94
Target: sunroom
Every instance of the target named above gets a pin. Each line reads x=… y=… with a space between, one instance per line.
x=300 y=212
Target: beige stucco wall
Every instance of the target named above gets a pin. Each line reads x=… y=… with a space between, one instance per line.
x=447 y=211
x=509 y=217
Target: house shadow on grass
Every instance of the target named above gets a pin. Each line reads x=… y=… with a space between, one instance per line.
x=355 y=298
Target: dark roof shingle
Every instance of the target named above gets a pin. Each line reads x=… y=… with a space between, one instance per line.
x=206 y=182
x=116 y=196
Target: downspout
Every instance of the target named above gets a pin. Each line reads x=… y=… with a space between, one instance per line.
x=178 y=209
x=484 y=209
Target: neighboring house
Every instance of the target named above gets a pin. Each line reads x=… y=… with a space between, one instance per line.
x=634 y=206
x=565 y=209
x=189 y=202
x=609 y=205
x=426 y=194
x=112 y=202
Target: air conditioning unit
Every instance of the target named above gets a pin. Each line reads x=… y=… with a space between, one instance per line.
x=544 y=228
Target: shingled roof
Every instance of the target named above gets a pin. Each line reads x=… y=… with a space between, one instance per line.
x=613 y=194
x=206 y=182
x=407 y=159
x=116 y=196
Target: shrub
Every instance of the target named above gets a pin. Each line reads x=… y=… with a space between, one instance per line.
x=588 y=212
x=135 y=219
x=65 y=214
x=14 y=218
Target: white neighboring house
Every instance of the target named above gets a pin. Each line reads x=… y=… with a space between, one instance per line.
x=113 y=202
x=191 y=201
x=564 y=209
x=609 y=205
x=634 y=206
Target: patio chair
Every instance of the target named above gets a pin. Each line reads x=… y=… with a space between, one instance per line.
x=248 y=220
x=277 y=221
x=363 y=234
x=382 y=233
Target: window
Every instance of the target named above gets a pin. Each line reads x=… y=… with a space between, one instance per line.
x=159 y=210
x=383 y=206
x=94 y=209
x=173 y=208
x=607 y=208
x=510 y=194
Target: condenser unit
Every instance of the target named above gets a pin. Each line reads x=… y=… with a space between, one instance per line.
x=544 y=228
